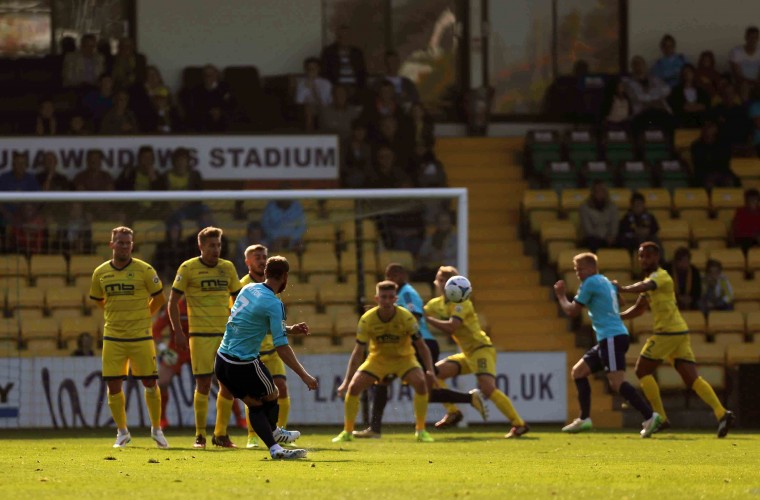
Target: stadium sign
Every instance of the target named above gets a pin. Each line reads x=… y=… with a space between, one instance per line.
x=217 y=158
x=69 y=392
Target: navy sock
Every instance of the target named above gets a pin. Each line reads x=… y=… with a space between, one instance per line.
x=379 y=400
x=633 y=397
x=584 y=396
x=260 y=424
x=449 y=396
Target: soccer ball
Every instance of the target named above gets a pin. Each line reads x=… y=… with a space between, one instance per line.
x=169 y=357
x=457 y=289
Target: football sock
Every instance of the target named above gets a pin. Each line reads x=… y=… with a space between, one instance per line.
x=450 y=407
x=379 y=400
x=260 y=424
x=584 y=396
x=272 y=411
x=632 y=396
x=236 y=409
x=223 y=411
x=251 y=432
x=449 y=396
x=707 y=394
x=504 y=404
x=200 y=405
x=117 y=403
x=282 y=419
x=652 y=392
x=164 y=400
x=420 y=411
x=351 y=409
x=153 y=402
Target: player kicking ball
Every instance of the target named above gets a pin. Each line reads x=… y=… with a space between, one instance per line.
x=600 y=296
x=238 y=368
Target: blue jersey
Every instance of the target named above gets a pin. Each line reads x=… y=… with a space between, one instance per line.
x=601 y=298
x=409 y=299
x=256 y=311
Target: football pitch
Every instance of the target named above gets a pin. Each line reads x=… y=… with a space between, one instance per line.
x=463 y=463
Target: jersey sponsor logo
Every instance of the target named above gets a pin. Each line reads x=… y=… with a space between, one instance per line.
x=119 y=289
x=213 y=285
x=387 y=339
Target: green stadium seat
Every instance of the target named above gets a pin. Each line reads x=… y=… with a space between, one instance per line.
x=618 y=147
x=673 y=174
x=543 y=147
x=561 y=175
x=598 y=170
x=656 y=147
x=635 y=174
x=581 y=147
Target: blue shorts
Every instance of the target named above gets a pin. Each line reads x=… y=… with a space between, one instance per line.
x=608 y=354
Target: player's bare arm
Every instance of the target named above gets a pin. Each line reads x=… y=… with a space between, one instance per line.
x=298 y=329
x=174 y=319
x=448 y=326
x=640 y=307
x=572 y=309
x=100 y=302
x=289 y=358
x=354 y=361
x=157 y=302
x=427 y=360
x=640 y=287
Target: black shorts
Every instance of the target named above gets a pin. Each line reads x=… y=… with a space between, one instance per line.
x=608 y=354
x=243 y=378
x=435 y=352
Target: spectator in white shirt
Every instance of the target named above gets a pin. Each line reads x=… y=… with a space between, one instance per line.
x=313 y=91
x=648 y=95
x=745 y=63
x=83 y=67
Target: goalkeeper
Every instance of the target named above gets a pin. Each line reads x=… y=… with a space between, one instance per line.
x=170 y=358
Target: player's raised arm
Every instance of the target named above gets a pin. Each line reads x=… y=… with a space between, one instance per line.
x=448 y=326
x=640 y=287
x=572 y=309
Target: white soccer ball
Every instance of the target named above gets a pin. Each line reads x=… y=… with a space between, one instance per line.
x=169 y=357
x=457 y=289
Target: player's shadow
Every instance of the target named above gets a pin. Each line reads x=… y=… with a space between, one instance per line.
x=340 y=450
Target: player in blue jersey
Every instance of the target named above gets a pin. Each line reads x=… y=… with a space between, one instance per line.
x=256 y=311
x=409 y=298
x=600 y=297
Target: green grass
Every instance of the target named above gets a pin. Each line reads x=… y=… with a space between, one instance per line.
x=475 y=463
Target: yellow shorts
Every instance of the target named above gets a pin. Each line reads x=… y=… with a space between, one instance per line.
x=203 y=353
x=481 y=362
x=138 y=356
x=668 y=348
x=274 y=364
x=383 y=368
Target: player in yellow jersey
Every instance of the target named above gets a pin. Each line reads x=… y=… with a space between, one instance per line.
x=478 y=354
x=392 y=333
x=670 y=341
x=207 y=282
x=130 y=292
x=256 y=260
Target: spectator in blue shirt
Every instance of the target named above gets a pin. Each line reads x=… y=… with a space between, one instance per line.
x=18 y=179
x=668 y=67
x=284 y=224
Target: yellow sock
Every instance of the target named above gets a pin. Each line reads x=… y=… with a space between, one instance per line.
x=707 y=394
x=504 y=404
x=153 y=402
x=351 y=409
x=200 y=405
x=450 y=407
x=118 y=403
x=251 y=432
x=420 y=411
x=652 y=392
x=223 y=411
x=282 y=417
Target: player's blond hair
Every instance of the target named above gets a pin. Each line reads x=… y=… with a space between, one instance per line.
x=255 y=248
x=209 y=232
x=385 y=285
x=585 y=258
x=121 y=230
x=448 y=271
x=276 y=268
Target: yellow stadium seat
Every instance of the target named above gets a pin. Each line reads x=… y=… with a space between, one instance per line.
x=753 y=259
x=710 y=245
x=725 y=325
x=642 y=326
x=32 y=298
x=621 y=197
x=300 y=293
x=707 y=353
x=319 y=324
x=150 y=231
x=59 y=314
x=338 y=310
x=83 y=283
x=565 y=259
x=734 y=276
x=614 y=259
x=698 y=258
x=690 y=198
x=347 y=230
x=320 y=280
x=13 y=265
x=695 y=321
x=350 y=265
x=537 y=217
x=64 y=298
x=29 y=315
x=656 y=198
x=683 y=138
x=340 y=293
x=48 y=265
x=709 y=229
x=572 y=199
x=317 y=262
x=424 y=289
x=622 y=277
x=402 y=257
x=726 y=198
x=50 y=282
x=83 y=265
x=557 y=230
x=661 y=214
x=746 y=168
x=321 y=231
x=668 y=378
x=753 y=323
x=694 y=215
x=72 y=327
x=742 y=353
x=745 y=306
x=674 y=229
x=571 y=282
x=101 y=230
x=726 y=215
x=732 y=259
x=297 y=310
x=669 y=248
x=714 y=375
x=104 y=252
x=345 y=205
x=540 y=199
x=42 y=328
x=345 y=325
x=555 y=248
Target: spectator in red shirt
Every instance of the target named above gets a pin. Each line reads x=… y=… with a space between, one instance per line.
x=746 y=224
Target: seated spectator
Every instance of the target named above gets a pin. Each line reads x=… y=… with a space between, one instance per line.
x=688 y=101
x=426 y=169
x=46 y=121
x=78 y=125
x=637 y=225
x=83 y=67
x=745 y=63
x=93 y=177
x=182 y=177
x=731 y=115
x=211 y=102
x=599 y=219
x=668 y=67
x=717 y=293
x=164 y=117
x=129 y=66
x=746 y=223
x=686 y=279
x=386 y=174
x=74 y=231
x=313 y=91
x=384 y=105
x=284 y=224
x=344 y=64
x=171 y=252
x=356 y=160
x=28 y=230
x=119 y=120
x=406 y=90
x=438 y=249
x=648 y=95
x=617 y=109
x=711 y=159
x=141 y=96
x=98 y=102
x=142 y=177
x=19 y=179
x=707 y=76
x=254 y=235
x=393 y=134
x=339 y=115
x=85 y=343
x=50 y=179
x=422 y=125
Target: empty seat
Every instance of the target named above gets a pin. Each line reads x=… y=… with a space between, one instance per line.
x=540 y=199
x=13 y=265
x=636 y=174
x=726 y=198
x=753 y=259
x=561 y=175
x=695 y=320
x=345 y=325
x=742 y=353
x=40 y=335
x=656 y=198
x=621 y=197
x=565 y=259
x=726 y=326
x=642 y=326
x=746 y=167
x=537 y=217
x=319 y=262
x=72 y=327
x=319 y=324
x=572 y=199
x=710 y=229
x=668 y=378
x=402 y=257
x=730 y=258
x=64 y=298
x=32 y=298
x=674 y=229
x=557 y=230
x=672 y=173
x=152 y=231
x=48 y=265
x=300 y=293
x=349 y=264
x=691 y=198
x=340 y=293
x=50 y=282
x=614 y=259
x=753 y=323
x=555 y=248
x=83 y=265
x=321 y=231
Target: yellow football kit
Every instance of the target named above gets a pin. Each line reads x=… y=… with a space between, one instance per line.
x=267 y=352
x=207 y=290
x=127 y=339
x=391 y=351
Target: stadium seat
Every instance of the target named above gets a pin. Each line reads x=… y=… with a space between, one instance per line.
x=657 y=198
x=672 y=174
x=710 y=245
x=742 y=353
x=621 y=197
x=636 y=175
x=31 y=298
x=726 y=198
x=101 y=230
x=674 y=229
x=72 y=327
x=753 y=324
x=542 y=147
x=296 y=311
x=709 y=353
x=745 y=306
x=710 y=229
x=696 y=321
x=150 y=231
x=622 y=277
x=691 y=199
x=726 y=215
x=614 y=259
x=746 y=168
x=714 y=375
x=555 y=248
x=345 y=325
x=318 y=262
x=64 y=298
x=557 y=230
x=300 y=293
x=572 y=199
x=726 y=327
x=350 y=265
x=319 y=324
x=618 y=147
x=340 y=293
x=655 y=147
x=668 y=378
x=322 y=231
x=540 y=199
x=642 y=326
x=424 y=289
x=694 y=215
x=732 y=259
x=14 y=265
x=402 y=257
x=571 y=282
x=59 y=314
x=83 y=265
x=40 y=336
x=753 y=260
x=669 y=248
x=561 y=175
x=320 y=280
x=698 y=258
x=48 y=265
x=347 y=230
x=565 y=259
x=596 y=170
x=50 y=282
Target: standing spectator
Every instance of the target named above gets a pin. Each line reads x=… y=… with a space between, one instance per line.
x=343 y=63
x=211 y=102
x=637 y=225
x=422 y=125
x=284 y=225
x=668 y=67
x=617 y=109
x=746 y=223
x=707 y=75
x=686 y=278
x=648 y=95
x=313 y=92
x=745 y=63
x=85 y=66
x=339 y=115
x=50 y=179
x=356 y=160
x=599 y=219
x=687 y=100
x=99 y=102
x=406 y=90
x=717 y=293
x=46 y=121
x=711 y=159
x=119 y=120
x=93 y=177
x=129 y=66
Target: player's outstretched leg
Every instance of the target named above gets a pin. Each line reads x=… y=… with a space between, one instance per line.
x=487 y=384
x=259 y=415
x=690 y=376
x=447 y=369
x=379 y=395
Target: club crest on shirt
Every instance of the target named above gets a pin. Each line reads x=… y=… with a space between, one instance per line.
x=155 y=279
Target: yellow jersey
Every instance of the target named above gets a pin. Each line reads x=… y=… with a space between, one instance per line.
x=267 y=345
x=468 y=336
x=390 y=339
x=207 y=290
x=127 y=293
x=662 y=303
